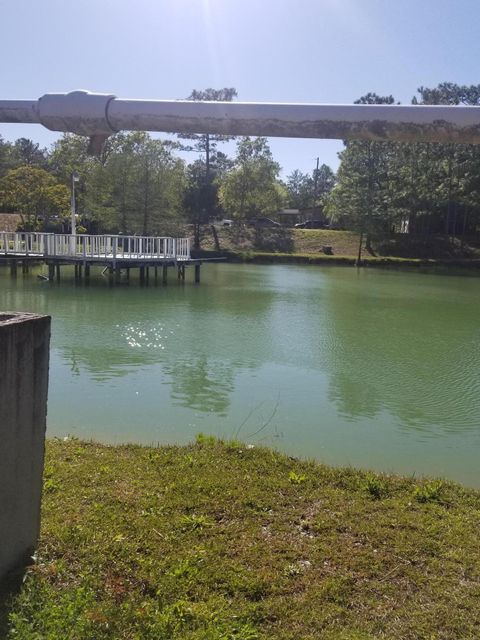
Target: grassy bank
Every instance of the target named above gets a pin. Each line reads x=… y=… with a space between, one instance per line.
x=221 y=541
x=325 y=246
x=264 y=257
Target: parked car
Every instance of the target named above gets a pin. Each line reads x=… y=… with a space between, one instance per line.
x=263 y=222
x=311 y=224
x=223 y=223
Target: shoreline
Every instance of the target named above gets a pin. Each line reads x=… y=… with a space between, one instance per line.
x=259 y=257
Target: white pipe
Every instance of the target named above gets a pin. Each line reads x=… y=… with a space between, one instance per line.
x=99 y=115
x=23 y=111
x=373 y=122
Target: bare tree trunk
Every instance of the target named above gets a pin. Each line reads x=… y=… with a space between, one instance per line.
x=360 y=243
x=196 y=234
x=215 y=238
x=464 y=226
x=146 y=201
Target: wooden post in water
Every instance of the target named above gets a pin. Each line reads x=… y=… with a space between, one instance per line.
x=164 y=274
x=197 y=273
x=87 y=272
x=13 y=268
x=57 y=269
x=142 y=275
x=51 y=271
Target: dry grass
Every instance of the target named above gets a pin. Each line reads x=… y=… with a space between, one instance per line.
x=9 y=221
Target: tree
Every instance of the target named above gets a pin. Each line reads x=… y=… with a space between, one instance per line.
x=201 y=196
x=139 y=188
x=69 y=155
x=455 y=197
x=33 y=193
x=360 y=196
x=301 y=190
x=323 y=183
x=158 y=187
x=251 y=188
x=25 y=151
x=449 y=93
x=5 y=156
x=206 y=143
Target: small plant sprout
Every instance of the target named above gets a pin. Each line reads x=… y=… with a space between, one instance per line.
x=205 y=440
x=429 y=492
x=295 y=478
x=375 y=486
x=193 y=522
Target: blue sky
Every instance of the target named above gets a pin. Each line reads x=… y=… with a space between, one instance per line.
x=327 y=51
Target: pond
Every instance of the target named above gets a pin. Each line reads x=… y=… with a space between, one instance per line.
x=370 y=368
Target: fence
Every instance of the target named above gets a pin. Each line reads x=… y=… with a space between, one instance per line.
x=94 y=247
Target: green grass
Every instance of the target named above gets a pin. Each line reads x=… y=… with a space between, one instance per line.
x=266 y=257
x=306 y=246
x=221 y=541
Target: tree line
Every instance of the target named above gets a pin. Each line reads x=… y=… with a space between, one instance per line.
x=139 y=184
x=417 y=189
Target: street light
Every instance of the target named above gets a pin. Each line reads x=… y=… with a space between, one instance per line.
x=73 y=242
x=75 y=178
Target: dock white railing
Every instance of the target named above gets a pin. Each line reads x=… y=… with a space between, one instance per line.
x=94 y=247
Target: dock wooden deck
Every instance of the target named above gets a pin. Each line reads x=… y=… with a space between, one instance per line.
x=115 y=252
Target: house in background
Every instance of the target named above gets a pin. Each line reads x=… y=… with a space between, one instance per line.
x=314 y=213
x=288 y=217
x=291 y=217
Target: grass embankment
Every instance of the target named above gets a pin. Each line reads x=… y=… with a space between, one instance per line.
x=220 y=541
x=264 y=257
x=307 y=246
x=287 y=241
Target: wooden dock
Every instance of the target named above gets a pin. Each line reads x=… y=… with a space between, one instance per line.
x=116 y=253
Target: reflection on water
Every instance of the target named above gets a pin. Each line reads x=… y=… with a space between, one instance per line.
x=412 y=348
x=201 y=383
x=373 y=368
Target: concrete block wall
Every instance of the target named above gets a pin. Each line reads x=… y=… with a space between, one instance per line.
x=24 y=360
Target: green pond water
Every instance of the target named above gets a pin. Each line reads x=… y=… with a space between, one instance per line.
x=369 y=368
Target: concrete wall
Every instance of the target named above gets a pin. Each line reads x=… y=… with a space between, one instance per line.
x=24 y=357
